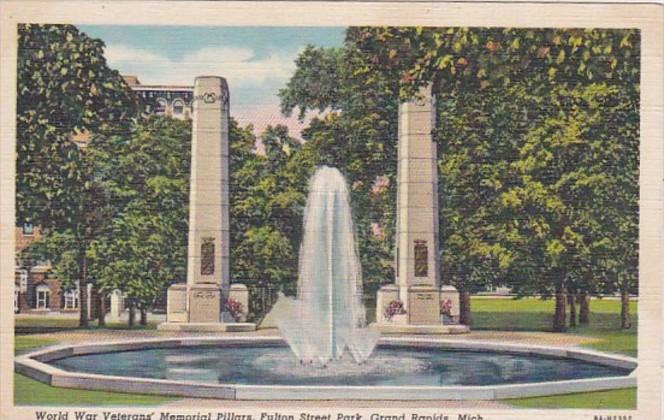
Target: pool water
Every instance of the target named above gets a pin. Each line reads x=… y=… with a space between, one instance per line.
x=388 y=366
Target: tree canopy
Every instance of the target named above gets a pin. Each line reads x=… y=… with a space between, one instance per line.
x=538 y=148
x=537 y=132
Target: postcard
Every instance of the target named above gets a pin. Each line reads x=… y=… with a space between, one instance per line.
x=331 y=210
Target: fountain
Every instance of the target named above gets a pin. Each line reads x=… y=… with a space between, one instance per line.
x=328 y=316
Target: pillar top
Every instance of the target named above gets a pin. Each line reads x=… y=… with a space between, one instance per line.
x=210 y=89
x=210 y=79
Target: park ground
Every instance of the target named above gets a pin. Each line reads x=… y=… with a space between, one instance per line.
x=495 y=319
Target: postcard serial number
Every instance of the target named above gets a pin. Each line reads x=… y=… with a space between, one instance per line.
x=612 y=418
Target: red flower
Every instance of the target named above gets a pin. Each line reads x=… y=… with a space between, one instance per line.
x=394 y=308
x=446 y=307
x=235 y=309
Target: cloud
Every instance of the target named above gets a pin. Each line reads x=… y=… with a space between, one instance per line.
x=238 y=65
x=116 y=54
x=254 y=82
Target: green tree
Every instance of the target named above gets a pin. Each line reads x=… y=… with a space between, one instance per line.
x=267 y=219
x=576 y=192
x=146 y=176
x=65 y=89
x=474 y=134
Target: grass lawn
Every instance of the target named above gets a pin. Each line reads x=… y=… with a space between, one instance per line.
x=613 y=399
x=30 y=392
x=534 y=314
x=24 y=343
x=43 y=323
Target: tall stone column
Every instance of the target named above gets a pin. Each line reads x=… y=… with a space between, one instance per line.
x=199 y=305
x=412 y=305
x=417 y=257
x=208 y=277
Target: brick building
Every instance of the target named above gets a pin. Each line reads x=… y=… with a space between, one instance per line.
x=171 y=100
x=36 y=289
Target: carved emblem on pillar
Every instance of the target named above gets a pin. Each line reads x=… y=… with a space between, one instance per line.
x=421 y=258
x=207 y=256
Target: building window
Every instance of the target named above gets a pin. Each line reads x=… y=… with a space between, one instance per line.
x=71 y=299
x=178 y=107
x=160 y=107
x=23 y=280
x=148 y=109
x=43 y=297
x=28 y=229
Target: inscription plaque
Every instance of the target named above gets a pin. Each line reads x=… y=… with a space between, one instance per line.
x=423 y=306
x=207 y=257
x=204 y=303
x=421 y=259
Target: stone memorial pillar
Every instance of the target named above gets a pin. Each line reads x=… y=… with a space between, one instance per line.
x=417 y=249
x=208 y=266
x=417 y=209
x=208 y=276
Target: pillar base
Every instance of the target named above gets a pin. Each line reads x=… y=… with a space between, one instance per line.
x=205 y=303
x=207 y=326
x=410 y=329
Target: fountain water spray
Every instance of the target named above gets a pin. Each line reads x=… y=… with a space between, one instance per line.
x=328 y=316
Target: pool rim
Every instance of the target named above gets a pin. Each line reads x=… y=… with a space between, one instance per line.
x=35 y=365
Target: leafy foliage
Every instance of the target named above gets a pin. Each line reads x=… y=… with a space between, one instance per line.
x=146 y=176
x=65 y=90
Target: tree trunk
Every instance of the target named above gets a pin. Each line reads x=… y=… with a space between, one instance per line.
x=465 y=316
x=144 y=316
x=102 y=309
x=83 y=321
x=625 y=317
x=572 y=309
x=559 y=314
x=132 y=314
x=584 y=308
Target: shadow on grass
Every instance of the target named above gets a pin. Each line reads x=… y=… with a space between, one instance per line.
x=40 y=330
x=512 y=321
x=542 y=321
x=604 y=327
x=43 y=326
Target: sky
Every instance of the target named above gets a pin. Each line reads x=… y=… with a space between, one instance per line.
x=256 y=61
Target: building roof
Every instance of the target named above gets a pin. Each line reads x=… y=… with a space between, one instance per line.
x=131 y=80
x=163 y=87
x=135 y=84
